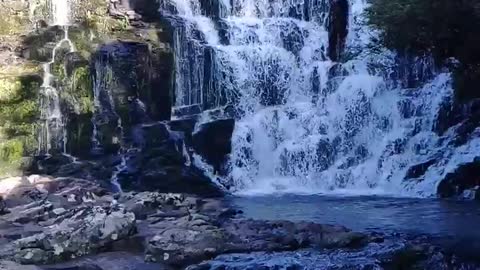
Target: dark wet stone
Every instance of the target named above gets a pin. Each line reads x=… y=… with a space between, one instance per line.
x=73 y=61
x=3 y=207
x=78 y=267
x=338 y=28
x=419 y=170
x=176 y=179
x=155 y=135
x=325 y=154
x=49 y=164
x=212 y=141
x=465 y=177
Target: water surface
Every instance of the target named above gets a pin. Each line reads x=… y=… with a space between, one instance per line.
x=436 y=218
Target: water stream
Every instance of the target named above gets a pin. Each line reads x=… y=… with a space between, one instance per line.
x=53 y=134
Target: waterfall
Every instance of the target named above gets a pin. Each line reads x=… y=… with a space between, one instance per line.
x=306 y=123
x=53 y=135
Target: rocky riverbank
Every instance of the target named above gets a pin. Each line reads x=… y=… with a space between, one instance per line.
x=49 y=221
x=71 y=223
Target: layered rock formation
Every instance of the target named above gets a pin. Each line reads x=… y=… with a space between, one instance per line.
x=53 y=220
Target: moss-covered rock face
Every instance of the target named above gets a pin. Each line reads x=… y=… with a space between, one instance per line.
x=25 y=31
x=77 y=102
x=20 y=81
x=19 y=112
x=14 y=17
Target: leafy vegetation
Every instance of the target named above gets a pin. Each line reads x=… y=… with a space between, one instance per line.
x=18 y=116
x=443 y=28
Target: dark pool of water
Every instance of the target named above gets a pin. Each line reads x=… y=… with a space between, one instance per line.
x=437 y=218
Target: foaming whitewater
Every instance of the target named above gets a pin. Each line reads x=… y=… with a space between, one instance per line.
x=53 y=135
x=305 y=123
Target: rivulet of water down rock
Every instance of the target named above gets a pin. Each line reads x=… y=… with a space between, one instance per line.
x=53 y=134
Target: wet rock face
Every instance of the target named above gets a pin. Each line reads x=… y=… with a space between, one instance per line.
x=465 y=116
x=465 y=177
x=212 y=141
x=338 y=28
x=146 y=8
x=132 y=87
x=163 y=165
x=418 y=170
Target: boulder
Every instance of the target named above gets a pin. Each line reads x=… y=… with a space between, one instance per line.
x=164 y=166
x=50 y=164
x=10 y=265
x=155 y=135
x=3 y=207
x=212 y=141
x=178 y=179
x=88 y=230
x=200 y=238
x=418 y=170
x=465 y=177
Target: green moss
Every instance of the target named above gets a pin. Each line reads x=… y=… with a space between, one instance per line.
x=82 y=43
x=82 y=88
x=12 y=24
x=19 y=111
x=11 y=151
x=9 y=88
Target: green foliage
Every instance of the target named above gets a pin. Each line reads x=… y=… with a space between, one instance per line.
x=19 y=112
x=11 y=23
x=11 y=150
x=442 y=28
x=82 y=89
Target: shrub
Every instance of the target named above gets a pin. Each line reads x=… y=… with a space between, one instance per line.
x=443 y=28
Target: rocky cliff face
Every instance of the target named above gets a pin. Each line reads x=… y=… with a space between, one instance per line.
x=115 y=51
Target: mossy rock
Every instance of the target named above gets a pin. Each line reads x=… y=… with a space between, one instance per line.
x=9 y=89
x=14 y=18
x=23 y=69
x=78 y=92
x=11 y=150
x=39 y=45
x=19 y=112
x=12 y=157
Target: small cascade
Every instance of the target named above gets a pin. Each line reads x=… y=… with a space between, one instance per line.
x=108 y=131
x=119 y=112
x=53 y=135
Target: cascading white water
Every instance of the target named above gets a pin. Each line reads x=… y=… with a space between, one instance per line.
x=52 y=135
x=305 y=123
x=61 y=12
